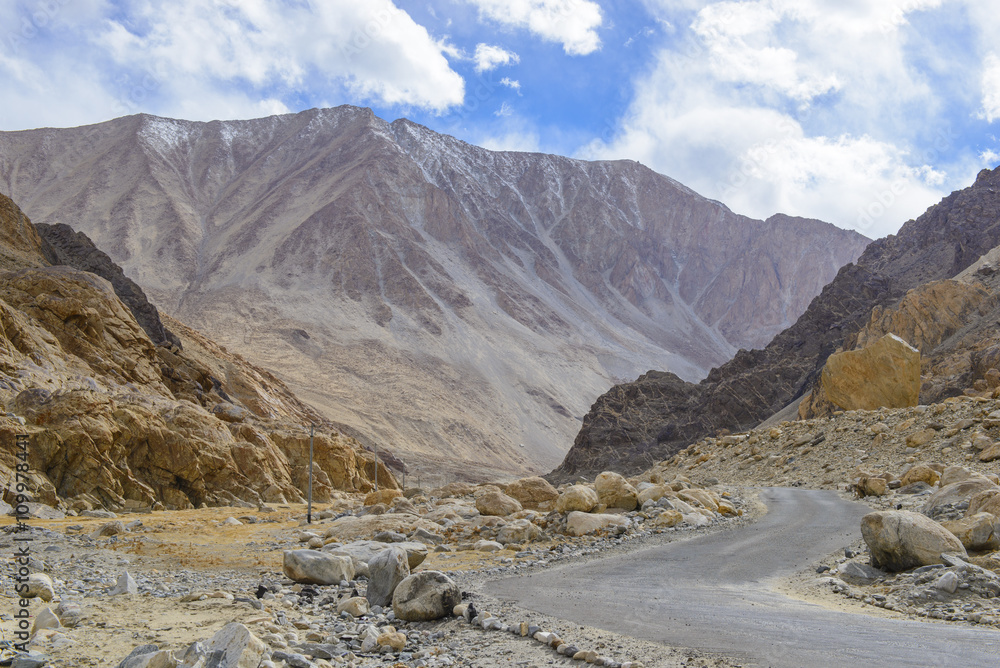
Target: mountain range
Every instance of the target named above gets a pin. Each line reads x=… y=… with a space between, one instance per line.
x=457 y=306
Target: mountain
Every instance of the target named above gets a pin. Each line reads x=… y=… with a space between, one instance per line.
x=636 y=424
x=116 y=421
x=459 y=306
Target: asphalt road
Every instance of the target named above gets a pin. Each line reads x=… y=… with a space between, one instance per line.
x=711 y=593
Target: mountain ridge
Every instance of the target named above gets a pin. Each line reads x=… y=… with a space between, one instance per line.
x=449 y=300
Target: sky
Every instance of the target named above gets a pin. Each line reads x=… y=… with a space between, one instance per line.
x=859 y=112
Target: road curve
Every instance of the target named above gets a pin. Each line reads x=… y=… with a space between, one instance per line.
x=710 y=593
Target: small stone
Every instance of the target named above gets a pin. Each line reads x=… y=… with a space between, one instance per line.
x=45 y=619
x=125 y=585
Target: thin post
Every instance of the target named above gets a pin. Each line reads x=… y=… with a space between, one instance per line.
x=309 y=511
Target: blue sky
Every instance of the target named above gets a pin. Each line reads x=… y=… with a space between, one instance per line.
x=859 y=112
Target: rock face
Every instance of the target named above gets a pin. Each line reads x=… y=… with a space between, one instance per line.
x=116 y=421
x=449 y=287
x=901 y=540
x=885 y=374
x=425 y=596
x=636 y=424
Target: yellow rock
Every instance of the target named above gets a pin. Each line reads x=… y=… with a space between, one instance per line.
x=885 y=374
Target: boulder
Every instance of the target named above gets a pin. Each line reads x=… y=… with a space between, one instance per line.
x=533 y=493
x=109 y=529
x=979 y=532
x=577 y=498
x=385 y=496
x=239 y=647
x=518 y=531
x=987 y=501
x=652 y=493
x=425 y=596
x=496 y=503
x=700 y=497
x=386 y=570
x=356 y=606
x=40 y=586
x=900 y=540
x=580 y=523
x=668 y=518
x=885 y=374
x=615 y=492
x=871 y=486
x=45 y=619
x=951 y=501
x=126 y=585
x=361 y=553
x=920 y=473
x=315 y=567
x=953 y=474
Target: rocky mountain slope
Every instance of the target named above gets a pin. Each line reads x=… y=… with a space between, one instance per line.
x=448 y=301
x=637 y=424
x=116 y=421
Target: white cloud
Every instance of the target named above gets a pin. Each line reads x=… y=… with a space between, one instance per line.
x=370 y=46
x=489 y=57
x=807 y=107
x=991 y=88
x=736 y=35
x=504 y=110
x=572 y=23
x=515 y=140
x=513 y=84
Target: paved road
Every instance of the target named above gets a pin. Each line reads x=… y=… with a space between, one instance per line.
x=710 y=593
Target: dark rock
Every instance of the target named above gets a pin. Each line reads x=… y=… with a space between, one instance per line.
x=75 y=249
x=637 y=424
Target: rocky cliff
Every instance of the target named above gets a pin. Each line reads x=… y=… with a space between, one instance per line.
x=648 y=420
x=452 y=302
x=116 y=421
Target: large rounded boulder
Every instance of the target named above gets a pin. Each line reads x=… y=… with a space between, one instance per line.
x=577 y=497
x=615 y=492
x=425 y=596
x=900 y=540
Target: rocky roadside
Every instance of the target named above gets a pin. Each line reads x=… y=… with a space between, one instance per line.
x=133 y=585
x=939 y=462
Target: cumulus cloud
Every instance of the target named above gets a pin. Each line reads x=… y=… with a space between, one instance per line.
x=215 y=59
x=991 y=88
x=572 y=23
x=768 y=106
x=488 y=57
x=370 y=46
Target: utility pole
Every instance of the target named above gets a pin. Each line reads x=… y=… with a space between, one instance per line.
x=309 y=511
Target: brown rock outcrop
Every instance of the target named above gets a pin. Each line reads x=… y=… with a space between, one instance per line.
x=885 y=374
x=116 y=421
